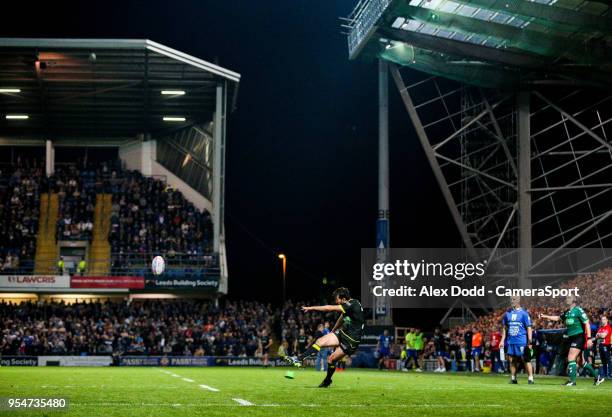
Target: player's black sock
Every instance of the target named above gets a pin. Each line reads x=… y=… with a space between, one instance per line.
x=312 y=350
x=331 y=368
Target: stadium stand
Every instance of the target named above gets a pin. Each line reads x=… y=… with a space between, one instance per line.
x=76 y=191
x=177 y=327
x=148 y=327
x=19 y=214
x=125 y=216
x=148 y=216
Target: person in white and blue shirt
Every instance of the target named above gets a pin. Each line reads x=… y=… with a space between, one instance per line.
x=517 y=332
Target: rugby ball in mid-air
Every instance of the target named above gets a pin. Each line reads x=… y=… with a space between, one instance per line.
x=158 y=265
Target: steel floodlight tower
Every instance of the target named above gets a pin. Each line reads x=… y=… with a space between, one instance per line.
x=511 y=102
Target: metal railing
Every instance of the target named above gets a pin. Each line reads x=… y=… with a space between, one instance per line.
x=363 y=22
x=133 y=264
x=178 y=264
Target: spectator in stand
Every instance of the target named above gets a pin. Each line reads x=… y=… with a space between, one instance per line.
x=283 y=349
x=300 y=342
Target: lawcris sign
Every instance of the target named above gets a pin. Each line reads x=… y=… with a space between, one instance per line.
x=34 y=282
x=136 y=283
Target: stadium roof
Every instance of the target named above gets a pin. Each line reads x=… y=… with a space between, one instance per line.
x=103 y=87
x=489 y=42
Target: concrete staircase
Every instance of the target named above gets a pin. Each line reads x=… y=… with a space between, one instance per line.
x=100 y=250
x=47 y=252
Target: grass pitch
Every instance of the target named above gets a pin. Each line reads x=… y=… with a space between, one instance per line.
x=266 y=392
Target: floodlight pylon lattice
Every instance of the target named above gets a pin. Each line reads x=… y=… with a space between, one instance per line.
x=511 y=102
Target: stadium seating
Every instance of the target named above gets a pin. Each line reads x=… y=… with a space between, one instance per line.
x=19 y=215
x=171 y=327
x=125 y=216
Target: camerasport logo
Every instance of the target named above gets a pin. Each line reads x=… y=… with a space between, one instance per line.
x=34 y=281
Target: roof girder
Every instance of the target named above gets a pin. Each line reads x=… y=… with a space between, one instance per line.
x=546 y=14
x=454 y=47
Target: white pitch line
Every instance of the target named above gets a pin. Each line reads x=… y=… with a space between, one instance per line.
x=230 y=405
x=209 y=388
x=242 y=402
x=175 y=375
x=188 y=380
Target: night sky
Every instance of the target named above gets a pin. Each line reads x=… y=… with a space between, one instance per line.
x=302 y=144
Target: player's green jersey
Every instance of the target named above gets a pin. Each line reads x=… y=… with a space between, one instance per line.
x=410 y=340
x=418 y=342
x=354 y=319
x=574 y=319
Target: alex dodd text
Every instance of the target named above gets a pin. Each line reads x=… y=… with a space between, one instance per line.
x=476 y=291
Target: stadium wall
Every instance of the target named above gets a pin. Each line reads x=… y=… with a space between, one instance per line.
x=107 y=360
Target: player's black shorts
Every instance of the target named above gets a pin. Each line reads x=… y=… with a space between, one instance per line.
x=576 y=341
x=265 y=350
x=348 y=344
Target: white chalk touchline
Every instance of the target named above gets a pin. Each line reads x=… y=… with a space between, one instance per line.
x=242 y=402
x=204 y=405
x=213 y=389
x=209 y=388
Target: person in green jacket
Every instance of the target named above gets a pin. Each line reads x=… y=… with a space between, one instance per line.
x=81 y=267
x=578 y=336
x=419 y=345
x=409 y=349
x=60 y=266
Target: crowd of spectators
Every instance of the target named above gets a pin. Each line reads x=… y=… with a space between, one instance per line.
x=594 y=298
x=153 y=327
x=19 y=211
x=595 y=290
x=150 y=217
x=296 y=327
x=75 y=187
